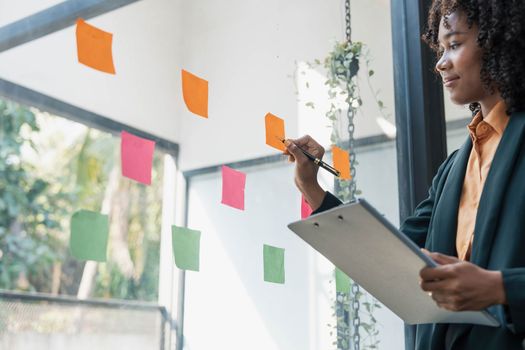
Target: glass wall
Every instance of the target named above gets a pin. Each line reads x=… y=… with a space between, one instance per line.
x=52 y=167
x=227 y=303
x=228 y=299
x=258 y=57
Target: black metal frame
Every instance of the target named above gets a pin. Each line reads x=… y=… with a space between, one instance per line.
x=54 y=19
x=52 y=105
x=365 y=141
x=420 y=116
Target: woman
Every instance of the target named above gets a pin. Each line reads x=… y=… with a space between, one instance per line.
x=473 y=221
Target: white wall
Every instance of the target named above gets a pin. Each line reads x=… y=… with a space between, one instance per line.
x=250 y=52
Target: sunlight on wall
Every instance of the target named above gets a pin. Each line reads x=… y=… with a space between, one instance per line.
x=234 y=320
x=228 y=299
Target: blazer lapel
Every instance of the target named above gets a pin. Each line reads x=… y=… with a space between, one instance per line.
x=445 y=218
x=494 y=189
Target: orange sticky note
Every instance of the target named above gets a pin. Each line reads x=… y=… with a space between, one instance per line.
x=306 y=210
x=341 y=162
x=195 y=93
x=94 y=47
x=233 y=184
x=274 y=131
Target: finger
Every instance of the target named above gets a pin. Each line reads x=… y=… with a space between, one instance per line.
x=443 y=259
x=304 y=141
x=291 y=158
x=447 y=301
x=309 y=144
x=435 y=286
x=436 y=273
x=295 y=151
x=439 y=298
x=450 y=306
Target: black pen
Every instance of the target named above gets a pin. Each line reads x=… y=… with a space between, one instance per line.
x=318 y=161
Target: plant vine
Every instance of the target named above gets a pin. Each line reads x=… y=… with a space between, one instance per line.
x=342 y=65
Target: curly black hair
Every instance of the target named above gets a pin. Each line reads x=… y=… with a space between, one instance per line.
x=501 y=37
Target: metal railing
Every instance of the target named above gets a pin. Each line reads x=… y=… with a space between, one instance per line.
x=40 y=322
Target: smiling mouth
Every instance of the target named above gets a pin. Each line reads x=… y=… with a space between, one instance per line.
x=450 y=82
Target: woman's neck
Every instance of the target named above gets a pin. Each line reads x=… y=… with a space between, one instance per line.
x=489 y=102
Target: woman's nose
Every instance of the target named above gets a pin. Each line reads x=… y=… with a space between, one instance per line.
x=443 y=63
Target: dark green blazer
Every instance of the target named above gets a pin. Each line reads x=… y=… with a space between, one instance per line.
x=499 y=238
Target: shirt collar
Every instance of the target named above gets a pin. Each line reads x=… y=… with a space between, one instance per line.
x=497 y=118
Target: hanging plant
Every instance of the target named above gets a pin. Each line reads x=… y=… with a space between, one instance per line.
x=356 y=326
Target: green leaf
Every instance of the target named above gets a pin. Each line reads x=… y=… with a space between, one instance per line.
x=370 y=72
x=310 y=104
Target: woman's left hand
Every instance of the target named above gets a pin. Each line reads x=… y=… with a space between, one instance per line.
x=458 y=285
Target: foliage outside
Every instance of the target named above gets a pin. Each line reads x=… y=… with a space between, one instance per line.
x=51 y=167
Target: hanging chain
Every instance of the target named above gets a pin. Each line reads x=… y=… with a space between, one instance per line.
x=356 y=321
x=351 y=109
x=351 y=128
x=348 y=21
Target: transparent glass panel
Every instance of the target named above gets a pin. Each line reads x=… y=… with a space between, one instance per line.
x=51 y=167
x=229 y=291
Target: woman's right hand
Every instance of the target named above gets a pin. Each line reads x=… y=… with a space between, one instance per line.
x=305 y=169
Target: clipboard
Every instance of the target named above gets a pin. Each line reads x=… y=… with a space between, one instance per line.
x=363 y=244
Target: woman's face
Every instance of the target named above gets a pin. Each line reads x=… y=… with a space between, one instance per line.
x=460 y=62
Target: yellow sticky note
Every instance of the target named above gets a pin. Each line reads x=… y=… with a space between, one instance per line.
x=195 y=93
x=94 y=47
x=341 y=162
x=274 y=131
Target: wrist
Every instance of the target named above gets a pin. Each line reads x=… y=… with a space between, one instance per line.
x=314 y=194
x=498 y=288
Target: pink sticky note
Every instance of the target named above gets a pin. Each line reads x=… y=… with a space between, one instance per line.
x=136 y=157
x=233 y=183
x=306 y=210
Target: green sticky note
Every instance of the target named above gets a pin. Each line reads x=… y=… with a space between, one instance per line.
x=89 y=235
x=273 y=264
x=186 y=247
x=342 y=281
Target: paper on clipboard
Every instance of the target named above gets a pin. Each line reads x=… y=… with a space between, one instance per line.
x=381 y=259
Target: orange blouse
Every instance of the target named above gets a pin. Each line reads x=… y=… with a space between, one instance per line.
x=485 y=134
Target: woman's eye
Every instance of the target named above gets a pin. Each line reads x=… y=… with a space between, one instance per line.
x=454 y=46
